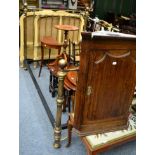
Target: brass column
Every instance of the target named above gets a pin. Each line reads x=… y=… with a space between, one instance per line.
x=86 y=15
x=25 y=34
x=60 y=99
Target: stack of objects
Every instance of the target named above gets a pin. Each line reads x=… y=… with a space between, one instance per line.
x=123 y=23
x=128 y=24
x=80 y=5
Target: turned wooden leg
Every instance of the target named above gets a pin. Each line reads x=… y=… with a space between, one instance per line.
x=53 y=84
x=64 y=105
x=59 y=50
x=73 y=100
x=70 y=126
x=42 y=58
x=68 y=102
x=49 y=56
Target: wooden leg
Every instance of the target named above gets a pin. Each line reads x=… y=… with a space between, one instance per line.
x=49 y=56
x=70 y=126
x=68 y=102
x=64 y=105
x=42 y=58
x=68 y=94
x=35 y=64
x=53 y=84
x=90 y=153
x=59 y=50
x=73 y=100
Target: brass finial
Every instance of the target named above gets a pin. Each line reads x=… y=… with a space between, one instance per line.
x=25 y=7
x=62 y=63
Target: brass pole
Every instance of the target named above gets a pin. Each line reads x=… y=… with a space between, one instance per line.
x=86 y=15
x=60 y=99
x=25 y=33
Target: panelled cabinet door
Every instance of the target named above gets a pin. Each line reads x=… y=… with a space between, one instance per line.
x=106 y=84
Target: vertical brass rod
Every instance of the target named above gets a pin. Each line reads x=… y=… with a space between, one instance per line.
x=33 y=25
x=86 y=18
x=60 y=99
x=25 y=34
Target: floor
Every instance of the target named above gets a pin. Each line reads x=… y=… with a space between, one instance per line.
x=36 y=131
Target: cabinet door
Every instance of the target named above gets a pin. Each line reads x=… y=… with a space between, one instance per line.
x=106 y=84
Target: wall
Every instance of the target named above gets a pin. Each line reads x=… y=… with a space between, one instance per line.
x=124 y=7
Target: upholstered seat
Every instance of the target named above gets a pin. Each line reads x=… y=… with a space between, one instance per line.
x=102 y=142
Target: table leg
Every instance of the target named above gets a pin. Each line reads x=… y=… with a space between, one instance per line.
x=42 y=58
x=65 y=40
x=49 y=56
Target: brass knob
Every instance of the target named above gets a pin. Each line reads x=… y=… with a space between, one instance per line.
x=62 y=63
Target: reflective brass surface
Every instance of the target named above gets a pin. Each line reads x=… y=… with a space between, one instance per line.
x=60 y=99
x=25 y=34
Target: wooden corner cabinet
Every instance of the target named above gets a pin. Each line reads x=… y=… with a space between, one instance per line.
x=104 y=90
x=106 y=83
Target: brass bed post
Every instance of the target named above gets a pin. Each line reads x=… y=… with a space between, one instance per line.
x=86 y=15
x=60 y=99
x=25 y=34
